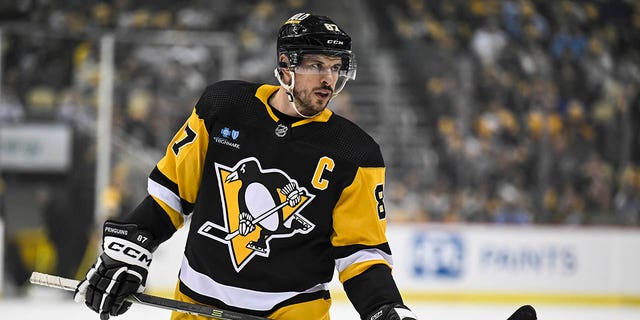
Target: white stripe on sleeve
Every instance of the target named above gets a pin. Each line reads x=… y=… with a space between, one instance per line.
x=361 y=256
x=167 y=196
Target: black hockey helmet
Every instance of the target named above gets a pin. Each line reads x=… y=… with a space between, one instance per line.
x=308 y=33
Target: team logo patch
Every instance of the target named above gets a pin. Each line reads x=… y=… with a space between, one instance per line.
x=258 y=205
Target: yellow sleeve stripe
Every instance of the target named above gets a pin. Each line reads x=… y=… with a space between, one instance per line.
x=355 y=217
x=176 y=218
x=358 y=268
x=185 y=167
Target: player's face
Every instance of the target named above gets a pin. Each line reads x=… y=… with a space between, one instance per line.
x=316 y=79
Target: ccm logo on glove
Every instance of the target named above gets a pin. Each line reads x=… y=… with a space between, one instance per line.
x=127 y=251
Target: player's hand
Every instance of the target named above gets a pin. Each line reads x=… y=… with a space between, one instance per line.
x=119 y=271
x=392 y=312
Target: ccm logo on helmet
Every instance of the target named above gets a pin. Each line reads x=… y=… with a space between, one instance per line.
x=338 y=42
x=130 y=252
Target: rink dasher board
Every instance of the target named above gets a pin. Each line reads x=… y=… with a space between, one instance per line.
x=489 y=263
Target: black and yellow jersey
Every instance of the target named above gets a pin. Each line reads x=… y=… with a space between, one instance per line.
x=313 y=189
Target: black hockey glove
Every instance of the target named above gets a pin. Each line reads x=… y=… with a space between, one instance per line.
x=392 y=312
x=119 y=271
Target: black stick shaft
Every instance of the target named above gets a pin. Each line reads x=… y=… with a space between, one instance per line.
x=525 y=312
x=191 y=308
x=149 y=300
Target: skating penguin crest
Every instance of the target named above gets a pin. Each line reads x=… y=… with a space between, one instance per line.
x=258 y=206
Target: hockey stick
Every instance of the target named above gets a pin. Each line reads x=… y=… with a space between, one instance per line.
x=258 y=219
x=525 y=312
x=262 y=216
x=52 y=281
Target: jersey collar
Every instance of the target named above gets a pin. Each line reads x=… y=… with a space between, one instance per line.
x=265 y=91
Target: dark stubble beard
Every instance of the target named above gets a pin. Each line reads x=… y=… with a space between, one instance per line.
x=305 y=104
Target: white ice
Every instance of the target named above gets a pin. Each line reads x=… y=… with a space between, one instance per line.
x=50 y=304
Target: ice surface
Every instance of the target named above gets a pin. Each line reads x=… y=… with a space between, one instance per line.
x=49 y=305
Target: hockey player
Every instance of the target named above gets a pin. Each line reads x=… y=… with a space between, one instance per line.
x=279 y=190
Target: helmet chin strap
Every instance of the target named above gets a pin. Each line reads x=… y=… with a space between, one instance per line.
x=289 y=88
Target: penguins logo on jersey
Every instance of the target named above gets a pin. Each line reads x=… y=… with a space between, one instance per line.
x=258 y=206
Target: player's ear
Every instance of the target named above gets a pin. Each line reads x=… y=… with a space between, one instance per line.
x=283 y=65
x=283 y=61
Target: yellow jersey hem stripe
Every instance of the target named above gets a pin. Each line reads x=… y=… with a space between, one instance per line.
x=533 y=298
x=338 y=295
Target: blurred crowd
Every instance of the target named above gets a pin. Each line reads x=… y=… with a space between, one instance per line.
x=52 y=65
x=50 y=68
x=531 y=109
x=534 y=106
